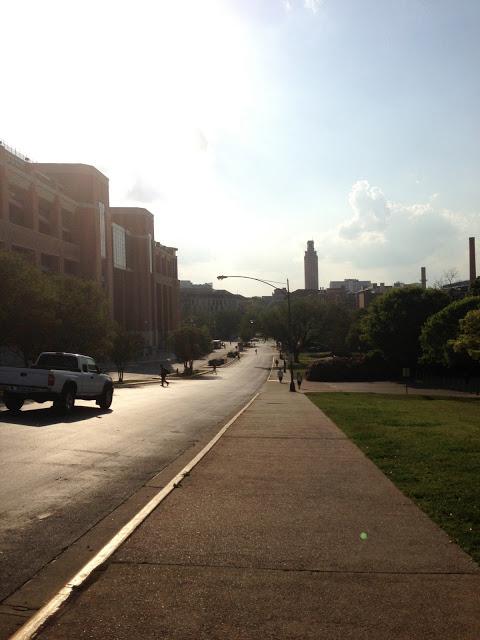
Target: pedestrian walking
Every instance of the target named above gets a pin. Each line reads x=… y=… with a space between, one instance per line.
x=255 y=352
x=163 y=376
x=299 y=380
x=276 y=362
x=280 y=375
x=215 y=369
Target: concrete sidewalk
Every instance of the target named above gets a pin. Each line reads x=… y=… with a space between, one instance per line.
x=265 y=539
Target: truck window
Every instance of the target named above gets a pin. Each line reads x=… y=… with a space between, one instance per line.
x=92 y=367
x=58 y=361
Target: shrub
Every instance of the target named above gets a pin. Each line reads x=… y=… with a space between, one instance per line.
x=352 y=369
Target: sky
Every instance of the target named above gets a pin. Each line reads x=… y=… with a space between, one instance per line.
x=251 y=126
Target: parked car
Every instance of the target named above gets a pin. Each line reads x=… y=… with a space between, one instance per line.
x=59 y=377
x=216 y=362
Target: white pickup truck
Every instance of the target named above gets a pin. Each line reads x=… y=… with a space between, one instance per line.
x=57 y=376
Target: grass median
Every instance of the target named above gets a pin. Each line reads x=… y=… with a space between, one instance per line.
x=428 y=446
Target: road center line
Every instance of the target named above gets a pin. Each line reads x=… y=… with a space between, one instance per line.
x=29 y=629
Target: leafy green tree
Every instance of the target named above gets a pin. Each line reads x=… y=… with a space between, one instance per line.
x=353 y=339
x=305 y=318
x=468 y=340
x=27 y=308
x=227 y=324
x=126 y=346
x=475 y=287
x=332 y=325
x=441 y=329
x=393 y=322
x=190 y=343
x=83 y=318
x=246 y=329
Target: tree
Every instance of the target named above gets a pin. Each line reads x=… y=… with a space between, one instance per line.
x=307 y=314
x=353 y=339
x=393 y=322
x=475 y=287
x=227 y=324
x=82 y=312
x=441 y=329
x=190 y=343
x=126 y=347
x=246 y=329
x=468 y=340
x=332 y=326
x=448 y=277
x=28 y=307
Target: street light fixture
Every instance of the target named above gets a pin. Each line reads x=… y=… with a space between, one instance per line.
x=272 y=283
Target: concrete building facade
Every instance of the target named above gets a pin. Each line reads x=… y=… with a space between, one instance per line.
x=206 y=300
x=58 y=216
x=310 y=262
x=351 y=285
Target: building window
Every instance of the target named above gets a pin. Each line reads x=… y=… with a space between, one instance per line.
x=71 y=267
x=103 y=245
x=45 y=216
x=67 y=225
x=49 y=263
x=17 y=213
x=119 y=250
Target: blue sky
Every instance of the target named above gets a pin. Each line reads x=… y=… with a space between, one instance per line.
x=249 y=127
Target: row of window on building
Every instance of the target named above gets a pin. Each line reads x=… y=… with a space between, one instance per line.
x=58 y=216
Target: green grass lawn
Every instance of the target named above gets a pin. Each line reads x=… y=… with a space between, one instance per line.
x=428 y=446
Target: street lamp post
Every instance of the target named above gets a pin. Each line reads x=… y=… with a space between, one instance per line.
x=272 y=284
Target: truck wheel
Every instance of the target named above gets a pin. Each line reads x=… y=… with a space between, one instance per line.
x=66 y=402
x=105 y=400
x=12 y=403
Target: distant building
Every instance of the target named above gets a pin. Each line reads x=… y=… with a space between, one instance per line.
x=331 y=296
x=351 y=285
x=278 y=295
x=311 y=267
x=187 y=284
x=457 y=290
x=206 y=300
x=365 y=296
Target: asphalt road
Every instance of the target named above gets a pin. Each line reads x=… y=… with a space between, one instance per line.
x=60 y=477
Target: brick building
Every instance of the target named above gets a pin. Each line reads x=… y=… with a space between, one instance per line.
x=58 y=217
x=145 y=289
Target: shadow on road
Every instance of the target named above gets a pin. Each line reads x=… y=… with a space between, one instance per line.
x=46 y=417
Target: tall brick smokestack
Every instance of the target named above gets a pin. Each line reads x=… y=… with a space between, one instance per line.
x=423 y=278
x=473 y=268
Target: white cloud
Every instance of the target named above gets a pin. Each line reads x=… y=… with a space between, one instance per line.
x=388 y=241
x=313 y=5
x=143 y=192
x=371 y=213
